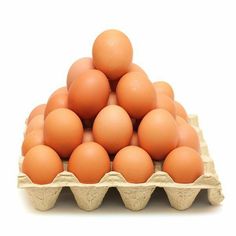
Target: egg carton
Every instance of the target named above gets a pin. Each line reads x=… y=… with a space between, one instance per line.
x=135 y=196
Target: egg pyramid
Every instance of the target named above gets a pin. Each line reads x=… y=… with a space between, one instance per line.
x=110 y=116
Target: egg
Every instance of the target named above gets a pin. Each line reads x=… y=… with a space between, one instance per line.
x=38 y=110
x=59 y=90
x=32 y=139
x=136 y=94
x=89 y=162
x=158 y=133
x=112 y=53
x=36 y=123
x=77 y=68
x=87 y=136
x=63 y=131
x=89 y=93
x=112 y=128
x=134 y=139
x=180 y=120
x=180 y=111
x=42 y=164
x=188 y=137
x=166 y=103
x=184 y=165
x=134 y=164
x=135 y=68
x=112 y=100
x=58 y=100
x=164 y=87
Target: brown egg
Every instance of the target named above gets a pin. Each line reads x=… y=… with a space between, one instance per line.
x=112 y=128
x=89 y=93
x=59 y=90
x=32 y=139
x=180 y=111
x=87 y=136
x=36 y=123
x=134 y=139
x=158 y=134
x=135 y=68
x=136 y=94
x=166 y=103
x=42 y=164
x=63 y=131
x=58 y=100
x=134 y=164
x=77 y=68
x=180 y=120
x=39 y=110
x=184 y=165
x=112 y=53
x=89 y=162
x=188 y=137
x=112 y=100
x=164 y=87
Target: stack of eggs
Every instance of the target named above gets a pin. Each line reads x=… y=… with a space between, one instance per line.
x=110 y=117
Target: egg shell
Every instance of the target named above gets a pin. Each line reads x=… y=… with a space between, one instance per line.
x=184 y=165
x=112 y=100
x=36 y=123
x=77 y=68
x=136 y=94
x=164 y=87
x=165 y=102
x=112 y=128
x=135 y=68
x=180 y=111
x=87 y=136
x=59 y=90
x=89 y=93
x=38 y=110
x=158 y=134
x=134 y=164
x=89 y=162
x=42 y=159
x=180 y=120
x=134 y=139
x=58 y=100
x=112 y=53
x=188 y=137
x=32 y=139
x=63 y=131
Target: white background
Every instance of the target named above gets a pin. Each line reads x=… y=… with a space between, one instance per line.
x=191 y=44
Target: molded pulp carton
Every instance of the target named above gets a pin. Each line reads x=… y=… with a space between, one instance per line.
x=134 y=196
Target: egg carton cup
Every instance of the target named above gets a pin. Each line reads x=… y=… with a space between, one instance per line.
x=135 y=196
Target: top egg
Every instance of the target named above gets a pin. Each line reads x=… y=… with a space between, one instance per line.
x=112 y=53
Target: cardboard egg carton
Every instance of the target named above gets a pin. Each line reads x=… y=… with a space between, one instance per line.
x=135 y=196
